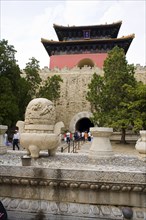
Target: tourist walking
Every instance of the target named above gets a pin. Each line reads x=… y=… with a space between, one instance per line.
x=68 y=137
x=86 y=136
x=16 y=140
x=83 y=136
x=89 y=136
x=76 y=136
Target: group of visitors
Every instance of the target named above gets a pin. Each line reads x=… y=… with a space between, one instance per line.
x=67 y=137
x=77 y=136
x=83 y=136
x=86 y=136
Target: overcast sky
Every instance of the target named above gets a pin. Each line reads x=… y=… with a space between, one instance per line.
x=24 y=23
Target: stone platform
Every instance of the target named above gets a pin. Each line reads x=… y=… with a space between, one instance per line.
x=73 y=186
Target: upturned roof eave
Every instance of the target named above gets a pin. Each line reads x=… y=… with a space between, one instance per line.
x=89 y=40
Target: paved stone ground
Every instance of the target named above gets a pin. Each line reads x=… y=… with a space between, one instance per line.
x=124 y=149
x=128 y=149
x=125 y=158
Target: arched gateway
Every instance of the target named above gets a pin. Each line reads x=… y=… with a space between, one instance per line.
x=81 y=122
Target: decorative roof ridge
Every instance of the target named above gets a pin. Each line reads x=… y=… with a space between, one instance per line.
x=73 y=26
x=127 y=36
x=53 y=41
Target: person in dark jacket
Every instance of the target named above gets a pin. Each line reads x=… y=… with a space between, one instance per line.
x=3 y=213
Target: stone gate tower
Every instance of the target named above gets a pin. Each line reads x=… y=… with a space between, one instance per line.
x=80 y=52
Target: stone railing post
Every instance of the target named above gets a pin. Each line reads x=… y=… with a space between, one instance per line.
x=101 y=146
x=3 y=148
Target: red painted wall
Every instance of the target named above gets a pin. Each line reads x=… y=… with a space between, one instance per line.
x=70 y=61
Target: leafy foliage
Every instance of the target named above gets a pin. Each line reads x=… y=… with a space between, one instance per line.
x=8 y=65
x=137 y=105
x=117 y=99
x=32 y=76
x=9 y=76
x=9 y=111
x=95 y=87
x=14 y=89
x=24 y=96
x=17 y=91
x=51 y=88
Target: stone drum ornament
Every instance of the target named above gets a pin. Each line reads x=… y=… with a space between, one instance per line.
x=101 y=146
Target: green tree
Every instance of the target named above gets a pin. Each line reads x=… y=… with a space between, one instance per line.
x=95 y=87
x=137 y=105
x=23 y=96
x=51 y=88
x=8 y=64
x=9 y=76
x=9 y=111
x=108 y=103
x=14 y=90
x=32 y=76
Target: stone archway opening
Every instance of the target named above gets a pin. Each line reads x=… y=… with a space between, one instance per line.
x=85 y=62
x=83 y=124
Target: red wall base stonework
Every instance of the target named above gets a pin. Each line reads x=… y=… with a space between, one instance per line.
x=71 y=61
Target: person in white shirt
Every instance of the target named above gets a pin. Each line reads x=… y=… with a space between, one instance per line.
x=89 y=136
x=16 y=140
x=83 y=136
